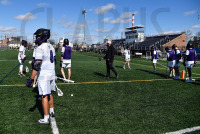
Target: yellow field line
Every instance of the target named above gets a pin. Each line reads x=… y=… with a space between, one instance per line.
x=103 y=82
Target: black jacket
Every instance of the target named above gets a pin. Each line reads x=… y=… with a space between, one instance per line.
x=110 y=52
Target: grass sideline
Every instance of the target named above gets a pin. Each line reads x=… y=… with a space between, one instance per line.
x=147 y=104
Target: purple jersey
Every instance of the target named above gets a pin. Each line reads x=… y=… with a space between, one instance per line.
x=66 y=50
x=191 y=55
x=171 y=55
x=154 y=54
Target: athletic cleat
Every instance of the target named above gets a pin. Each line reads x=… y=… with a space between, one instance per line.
x=124 y=67
x=154 y=71
x=117 y=76
x=34 y=85
x=129 y=67
x=42 y=121
x=52 y=114
x=189 y=80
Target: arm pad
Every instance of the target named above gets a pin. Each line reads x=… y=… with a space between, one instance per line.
x=37 y=66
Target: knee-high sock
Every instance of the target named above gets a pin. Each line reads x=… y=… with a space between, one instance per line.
x=21 y=68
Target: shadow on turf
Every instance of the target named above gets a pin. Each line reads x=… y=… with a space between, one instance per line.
x=38 y=103
x=119 y=66
x=102 y=75
x=159 y=74
x=99 y=74
x=196 y=82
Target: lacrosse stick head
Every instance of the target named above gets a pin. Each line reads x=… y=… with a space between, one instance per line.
x=60 y=93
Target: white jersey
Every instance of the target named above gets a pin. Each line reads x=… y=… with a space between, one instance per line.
x=127 y=53
x=46 y=53
x=22 y=51
x=34 y=52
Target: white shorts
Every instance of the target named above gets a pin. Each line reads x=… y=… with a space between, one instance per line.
x=154 y=61
x=45 y=87
x=66 y=63
x=171 y=63
x=128 y=59
x=189 y=64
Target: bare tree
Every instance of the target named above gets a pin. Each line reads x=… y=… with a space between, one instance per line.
x=188 y=35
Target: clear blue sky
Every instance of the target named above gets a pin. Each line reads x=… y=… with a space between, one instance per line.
x=105 y=18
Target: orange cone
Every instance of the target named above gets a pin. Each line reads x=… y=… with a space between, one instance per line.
x=183 y=74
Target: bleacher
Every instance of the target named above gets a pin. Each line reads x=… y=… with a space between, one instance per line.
x=157 y=41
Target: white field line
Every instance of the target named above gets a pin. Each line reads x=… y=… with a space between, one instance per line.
x=54 y=126
x=187 y=130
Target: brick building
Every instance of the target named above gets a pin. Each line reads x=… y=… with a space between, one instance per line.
x=180 y=41
x=3 y=43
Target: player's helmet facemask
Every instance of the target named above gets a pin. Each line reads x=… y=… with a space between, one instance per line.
x=41 y=35
x=167 y=49
x=66 y=42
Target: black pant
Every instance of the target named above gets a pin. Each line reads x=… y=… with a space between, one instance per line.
x=109 y=65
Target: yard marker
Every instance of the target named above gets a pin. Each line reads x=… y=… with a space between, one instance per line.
x=187 y=130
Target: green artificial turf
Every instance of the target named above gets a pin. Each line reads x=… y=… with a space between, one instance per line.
x=139 y=102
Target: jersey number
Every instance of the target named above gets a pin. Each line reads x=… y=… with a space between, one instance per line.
x=51 y=56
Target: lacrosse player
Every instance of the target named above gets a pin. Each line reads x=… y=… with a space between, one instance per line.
x=154 y=58
x=177 y=61
x=65 y=61
x=171 y=60
x=127 y=57
x=45 y=64
x=22 y=56
x=189 y=60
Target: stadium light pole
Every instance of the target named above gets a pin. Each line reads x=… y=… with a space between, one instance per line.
x=83 y=13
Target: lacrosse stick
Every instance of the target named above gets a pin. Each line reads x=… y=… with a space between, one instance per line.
x=65 y=80
x=59 y=91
